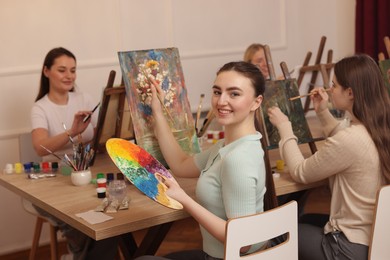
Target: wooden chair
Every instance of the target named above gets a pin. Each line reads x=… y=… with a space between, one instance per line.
x=27 y=154
x=260 y=227
x=379 y=248
x=27 y=205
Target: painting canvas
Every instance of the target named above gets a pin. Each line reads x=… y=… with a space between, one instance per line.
x=165 y=67
x=385 y=68
x=277 y=93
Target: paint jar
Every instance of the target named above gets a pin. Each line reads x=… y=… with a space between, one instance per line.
x=27 y=167
x=18 y=167
x=54 y=167
x=110 y=177
x=37 y=167
x=8 y=168
x=45 y=167
x=101 y=192
x=120 y=176
x=117 y=190
x=100 y=176
x=280 y=165
x=101 y=182
x=81 y=178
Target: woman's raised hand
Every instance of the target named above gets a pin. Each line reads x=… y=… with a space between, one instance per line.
x=276 y=116
x=157 y=94
x=78 y=126
x=320 y=99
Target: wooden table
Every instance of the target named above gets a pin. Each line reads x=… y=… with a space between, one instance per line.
x=59 y=197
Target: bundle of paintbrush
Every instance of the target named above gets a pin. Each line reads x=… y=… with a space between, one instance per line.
x=82 y=156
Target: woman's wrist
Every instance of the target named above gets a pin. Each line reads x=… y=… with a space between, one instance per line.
x=285 y=129
x=69 y=133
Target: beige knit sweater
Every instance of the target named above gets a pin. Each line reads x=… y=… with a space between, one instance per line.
x=349 y=159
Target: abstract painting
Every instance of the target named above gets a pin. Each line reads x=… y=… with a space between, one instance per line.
x=164 y=66
x=277 y=93
x=142 y=170
x=385 y=68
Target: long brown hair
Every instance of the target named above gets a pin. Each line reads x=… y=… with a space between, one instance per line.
x=371 y=104
x=253 y=73
x=44 y=85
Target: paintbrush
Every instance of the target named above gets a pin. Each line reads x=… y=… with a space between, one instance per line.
x=198 y=112
x=158 y=96
x=209 y=117
x=51 y=152
x=306 y=95
x=89 y=116
x=66 y=159
x=70 y=163
x=66 y=130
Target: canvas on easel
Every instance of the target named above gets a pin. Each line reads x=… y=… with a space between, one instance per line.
x=164 y=66
x=278 y=93
x=384 y=63
x=385 y=69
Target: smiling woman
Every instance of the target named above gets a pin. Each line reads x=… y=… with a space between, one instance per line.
x=57 y=106
x=232 y=172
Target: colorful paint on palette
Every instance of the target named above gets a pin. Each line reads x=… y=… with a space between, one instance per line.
x=142 y=170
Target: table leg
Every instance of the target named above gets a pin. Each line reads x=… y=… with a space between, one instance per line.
x=128 y=245
x=149 y=244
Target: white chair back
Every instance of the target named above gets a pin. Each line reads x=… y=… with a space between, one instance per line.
x=261 y=227
x=379 y=248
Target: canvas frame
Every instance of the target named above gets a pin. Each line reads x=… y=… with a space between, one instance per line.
x=165 y=66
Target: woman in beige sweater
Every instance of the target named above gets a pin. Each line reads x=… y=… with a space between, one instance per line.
x=355 y=159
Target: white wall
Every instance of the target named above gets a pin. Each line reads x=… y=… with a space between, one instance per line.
x=207 y=33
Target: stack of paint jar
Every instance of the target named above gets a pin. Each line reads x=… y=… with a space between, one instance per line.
x=103 y=181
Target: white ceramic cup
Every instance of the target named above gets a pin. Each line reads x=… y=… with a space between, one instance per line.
x=81 y=178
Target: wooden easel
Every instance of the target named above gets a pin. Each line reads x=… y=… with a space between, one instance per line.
x=108 y=92
x=381 y=55
x=324 y=69
x=287 y=76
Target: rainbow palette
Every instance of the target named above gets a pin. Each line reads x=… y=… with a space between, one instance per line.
x=142 y=170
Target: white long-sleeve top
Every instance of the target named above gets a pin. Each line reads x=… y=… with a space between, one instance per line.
x=349 y=159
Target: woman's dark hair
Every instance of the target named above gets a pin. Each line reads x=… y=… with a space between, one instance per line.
x=248 y=70
x=253 y=73
x=371 y=104
x=44 y=84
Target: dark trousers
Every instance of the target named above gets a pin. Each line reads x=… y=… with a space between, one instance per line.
x=314 y=244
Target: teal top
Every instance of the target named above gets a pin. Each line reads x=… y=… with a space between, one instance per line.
x=231 y=183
